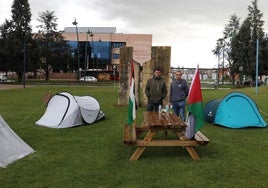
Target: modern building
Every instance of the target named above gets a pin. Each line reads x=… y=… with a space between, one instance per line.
x=99 y=47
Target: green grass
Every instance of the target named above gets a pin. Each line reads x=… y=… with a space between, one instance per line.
x=95 y=156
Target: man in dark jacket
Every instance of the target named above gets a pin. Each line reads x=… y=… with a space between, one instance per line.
x=156 y=91
x=178 y=93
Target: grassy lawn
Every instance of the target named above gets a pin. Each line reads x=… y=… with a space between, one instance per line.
x=95 y=156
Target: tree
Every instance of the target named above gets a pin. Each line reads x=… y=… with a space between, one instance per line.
x=223 y=47
x=255 y=18
x=5 y=53
x=242 y=44
x=220 y=52
x=241 y=49
x=19 y=34
x=53 y=49
x=229 y=32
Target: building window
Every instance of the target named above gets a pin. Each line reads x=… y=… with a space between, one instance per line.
x=116 y=56
x=118 y=44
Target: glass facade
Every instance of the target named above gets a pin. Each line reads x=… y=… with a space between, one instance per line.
x=98 y=53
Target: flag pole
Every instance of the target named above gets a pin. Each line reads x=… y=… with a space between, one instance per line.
x=134 y=136
x=130 y=128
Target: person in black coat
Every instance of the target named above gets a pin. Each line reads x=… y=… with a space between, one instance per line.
x=156 y=91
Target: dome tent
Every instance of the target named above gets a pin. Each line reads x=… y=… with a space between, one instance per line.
x=12 y=147
x=210 y=110
x=235 y=110
x=65 y=110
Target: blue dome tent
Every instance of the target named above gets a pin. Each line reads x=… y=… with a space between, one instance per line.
x=235 y=110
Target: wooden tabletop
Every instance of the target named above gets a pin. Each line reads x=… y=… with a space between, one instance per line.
x=163 y=120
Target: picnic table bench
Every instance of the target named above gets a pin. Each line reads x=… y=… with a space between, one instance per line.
x=154 y=122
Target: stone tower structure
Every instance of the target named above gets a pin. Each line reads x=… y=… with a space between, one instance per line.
x=160 y=58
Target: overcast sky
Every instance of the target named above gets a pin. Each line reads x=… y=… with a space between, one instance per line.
x=190 y=27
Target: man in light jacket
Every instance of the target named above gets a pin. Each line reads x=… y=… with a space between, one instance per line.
x=178 y=93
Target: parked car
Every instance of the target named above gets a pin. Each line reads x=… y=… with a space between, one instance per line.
x=252 y=82
x=3 y=78
x=88 y=79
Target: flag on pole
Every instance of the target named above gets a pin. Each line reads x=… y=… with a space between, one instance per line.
x=195 y=101
x=131 y=101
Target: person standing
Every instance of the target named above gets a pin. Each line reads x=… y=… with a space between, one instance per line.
x=178 y=93
x=156 y=91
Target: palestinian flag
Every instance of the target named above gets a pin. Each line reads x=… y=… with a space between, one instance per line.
x=195 y=101
x=131 y=101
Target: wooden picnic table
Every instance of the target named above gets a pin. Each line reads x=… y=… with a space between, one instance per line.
x=155 y=122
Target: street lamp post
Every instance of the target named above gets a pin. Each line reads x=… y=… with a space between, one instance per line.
x=86 y=58
x=114 y=67
x=222 y=81
x=217 y=52
x=257 y=65
x=92 y=51
x=99 y=57
x=78 y=50
x=24 y=62
x=218 y=72
x=223 y=53
x=240 y=68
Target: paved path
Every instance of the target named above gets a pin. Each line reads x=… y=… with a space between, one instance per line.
x=9 y=86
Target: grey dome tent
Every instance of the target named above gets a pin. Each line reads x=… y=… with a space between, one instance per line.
x=66 y=110
x=235 y=110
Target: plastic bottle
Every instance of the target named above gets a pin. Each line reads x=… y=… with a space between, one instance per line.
x=170 y=109
x=167 y=109
x=159 y=108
